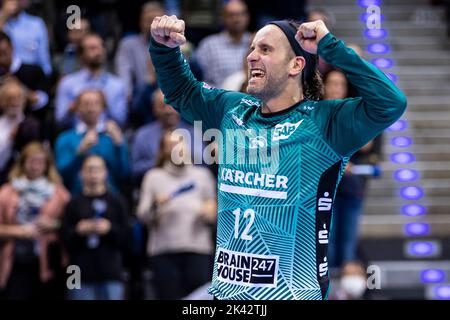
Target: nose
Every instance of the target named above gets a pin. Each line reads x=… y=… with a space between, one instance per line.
x=252 y=56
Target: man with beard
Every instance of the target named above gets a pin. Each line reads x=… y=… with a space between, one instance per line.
x=94 y=76
x=132 y=62
x=220 y=55
x=274 y=221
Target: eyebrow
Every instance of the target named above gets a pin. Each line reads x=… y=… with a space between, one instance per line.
x=262 y=44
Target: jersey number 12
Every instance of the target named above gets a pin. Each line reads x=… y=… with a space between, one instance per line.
x=244 y=235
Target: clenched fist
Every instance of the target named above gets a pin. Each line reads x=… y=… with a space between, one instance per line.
x=168 y=31
x=310 y=33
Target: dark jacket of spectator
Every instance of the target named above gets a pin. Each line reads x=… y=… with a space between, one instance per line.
x=105 y=261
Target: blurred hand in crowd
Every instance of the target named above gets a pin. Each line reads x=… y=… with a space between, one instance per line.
x=100 y=226
x=46 y=225
x=114 y=131
x=90 y=139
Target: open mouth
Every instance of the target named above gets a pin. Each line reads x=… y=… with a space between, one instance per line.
x=256 y=74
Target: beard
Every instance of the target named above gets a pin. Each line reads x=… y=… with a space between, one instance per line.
x=270 y=88
x=94 y=64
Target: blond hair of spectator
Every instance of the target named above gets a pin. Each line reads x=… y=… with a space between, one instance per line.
x=30 y=149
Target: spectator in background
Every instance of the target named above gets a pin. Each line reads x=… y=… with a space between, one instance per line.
x=178 y=204
x=321 y=14
x=28 y=33
x=31 y=76
x=145 y=148
x=335 y=85
x=16 y=128
x=132 y=61
x=31 y=205
x=69 y=60
x=141 y=114
x=221 y=54
x=264 y=11
x=93 y=75
x=237 y=81
x=328 y=19
x=92 y=135
x=348 y=203
x=94 y=231
x=352 y=284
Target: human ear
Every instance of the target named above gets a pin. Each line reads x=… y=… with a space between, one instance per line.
x=298 y=65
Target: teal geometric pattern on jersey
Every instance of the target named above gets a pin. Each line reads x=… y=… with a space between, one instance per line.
x=283 y=228
x=274 y=216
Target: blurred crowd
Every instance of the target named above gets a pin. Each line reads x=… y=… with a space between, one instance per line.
x=85 y=142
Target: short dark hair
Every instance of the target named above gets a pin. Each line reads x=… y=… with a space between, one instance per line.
x=5 y=37
x=97 y=91
x=80 y=47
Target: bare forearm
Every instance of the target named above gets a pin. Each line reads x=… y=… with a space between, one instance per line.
x=9 y=231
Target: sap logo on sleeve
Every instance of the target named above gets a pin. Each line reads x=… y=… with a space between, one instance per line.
x=283 y=131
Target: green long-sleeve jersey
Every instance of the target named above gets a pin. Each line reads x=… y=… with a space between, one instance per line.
x=279 y=172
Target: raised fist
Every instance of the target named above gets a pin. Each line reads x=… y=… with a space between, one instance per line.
x=310 y=33
x=168 y=31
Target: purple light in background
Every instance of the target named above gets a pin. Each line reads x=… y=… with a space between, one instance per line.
x=402 y=157
x=366 y=3
x=401 y=141
x=406 y=175
x=413 y=210
x=442 y=292
x=417 y=229
x=378 y=48
x=398 y=125
x=366 y=15
x=393 y=77
x=383 y=63
x=375 y=33
x=411 y=193
x=432 y=275
x=421 y=248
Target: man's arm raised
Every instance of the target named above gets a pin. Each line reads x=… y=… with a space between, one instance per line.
x=195 y=100
x=350 y=123
x=168 y=31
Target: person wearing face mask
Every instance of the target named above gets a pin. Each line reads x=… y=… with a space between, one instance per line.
x=178 y=205
x=281 y=221
x=353 y=282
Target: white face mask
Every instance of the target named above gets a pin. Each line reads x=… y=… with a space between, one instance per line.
x=353 y=285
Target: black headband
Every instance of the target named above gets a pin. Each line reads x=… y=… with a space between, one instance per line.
x=290 y=31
